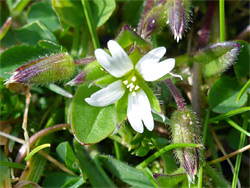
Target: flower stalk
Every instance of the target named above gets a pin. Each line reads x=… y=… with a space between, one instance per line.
x=177 y=96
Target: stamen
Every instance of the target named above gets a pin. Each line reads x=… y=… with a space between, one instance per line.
x=133 y=79
x=125 y=82
x=137 y=87
x=133 y=93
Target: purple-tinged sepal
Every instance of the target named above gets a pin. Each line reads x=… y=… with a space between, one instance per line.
x=49 y=69
x=179 y=15
x=185 y=129
x=154 y=21
x=79 y=79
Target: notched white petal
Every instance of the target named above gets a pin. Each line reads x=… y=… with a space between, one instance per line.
x=139 y=112
x=145 y=110
x=107 y=96
x=118 y=64
x=154 y=71
x=153 y=56
x=133 y=113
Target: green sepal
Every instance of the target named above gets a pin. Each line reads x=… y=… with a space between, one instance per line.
x=94 y=71
x=105 y=81
x=135 y=56
x=151 y=97
x=128 y=37
x=121 y=108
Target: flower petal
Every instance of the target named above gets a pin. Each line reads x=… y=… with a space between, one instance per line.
x=139 y=111
x=133 y=113
x=145 y=110
x=154 y=71
x=108 y=95
x=120 y=57
x=153 y=56
x=117 y=65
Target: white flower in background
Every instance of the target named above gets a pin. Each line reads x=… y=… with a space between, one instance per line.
x=120 y=66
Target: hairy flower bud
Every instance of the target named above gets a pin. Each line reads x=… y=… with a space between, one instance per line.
x=154 y=21
x=54 y=68
x=178 y=11
x=185 y=129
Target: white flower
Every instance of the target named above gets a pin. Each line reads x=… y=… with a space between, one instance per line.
x=119 y=65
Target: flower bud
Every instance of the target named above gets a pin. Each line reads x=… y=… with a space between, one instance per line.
x=54 y=68
x=185 y=129
x=79 y=79
x=154 y=21
x=178 y=11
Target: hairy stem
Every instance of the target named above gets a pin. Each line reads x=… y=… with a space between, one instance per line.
x=197 y=76
x=177 y=96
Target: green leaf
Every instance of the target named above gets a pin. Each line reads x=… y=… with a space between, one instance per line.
x=69 y=11
x=132 y=12
x=91 y=124
x=30 y=34
x=242 y=65
x=223 y=95
x=229 y=114
x=95 y=173
x=34 y=151
x=66 y=154
x=51 y=46
x=243 y=90
x=14 y=57
x=171 y=180
x=124 y=172
x=45 y=14
x=5 y=180
x=101 y=10
x=217 y=57
x=12 y=165
x=58 y=179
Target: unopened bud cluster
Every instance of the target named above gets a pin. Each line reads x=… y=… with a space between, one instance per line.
x=178 y=17
x=176 y=13
x=185 y=129
x=54 y=68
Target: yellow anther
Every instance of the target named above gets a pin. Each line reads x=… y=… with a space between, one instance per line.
x=133 y=93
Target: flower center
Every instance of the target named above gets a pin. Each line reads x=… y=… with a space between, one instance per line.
x=132 y=85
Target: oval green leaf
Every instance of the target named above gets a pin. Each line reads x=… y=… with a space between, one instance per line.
x=91 y=124
x=30 y=34
x=69 y=11
x=223 y=95
x=45 y=14
x=101 y=10
x=242 y=65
